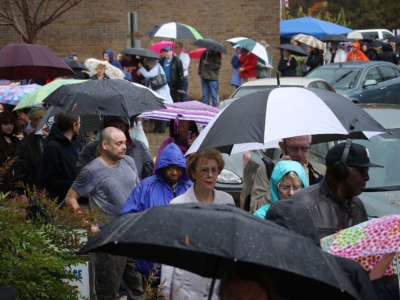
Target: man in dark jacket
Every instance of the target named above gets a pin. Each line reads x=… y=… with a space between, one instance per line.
x=331 y=205
x=209 y=66
x=173 y=69
x=60 y=155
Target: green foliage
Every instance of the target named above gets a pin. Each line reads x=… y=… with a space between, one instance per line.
x=36 y=251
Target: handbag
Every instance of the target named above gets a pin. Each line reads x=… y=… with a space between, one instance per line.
x=158 y=81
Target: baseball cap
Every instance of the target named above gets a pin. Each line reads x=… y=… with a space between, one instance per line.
x=358 y=156
x=166 y=48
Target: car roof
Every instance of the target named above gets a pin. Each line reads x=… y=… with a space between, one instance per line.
x=355 y=64
x=292 y=81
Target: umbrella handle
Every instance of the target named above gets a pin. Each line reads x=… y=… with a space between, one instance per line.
x=210 y=293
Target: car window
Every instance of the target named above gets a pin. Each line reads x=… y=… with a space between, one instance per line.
x=321 y=85
x=388 y=72
x=373 y=74
x=339 y=78
x=386 y=35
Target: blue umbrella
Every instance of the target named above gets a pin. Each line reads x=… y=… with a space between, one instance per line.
x=310 y=26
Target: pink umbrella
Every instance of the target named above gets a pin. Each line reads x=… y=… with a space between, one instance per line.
x=190 y=110
x=156 y=47
x=196 y=53
x=367 y=242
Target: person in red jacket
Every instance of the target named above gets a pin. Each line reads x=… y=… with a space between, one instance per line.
x=248 y=65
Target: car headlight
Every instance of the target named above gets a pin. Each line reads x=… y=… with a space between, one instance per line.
x=227 y=176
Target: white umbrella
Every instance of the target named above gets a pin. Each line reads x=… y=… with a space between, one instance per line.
x=260 y=120
x=111 y=71
x=309 y=40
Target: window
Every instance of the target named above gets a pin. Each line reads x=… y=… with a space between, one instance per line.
x=388 y=73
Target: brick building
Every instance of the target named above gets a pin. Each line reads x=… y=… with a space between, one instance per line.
x=95 y=25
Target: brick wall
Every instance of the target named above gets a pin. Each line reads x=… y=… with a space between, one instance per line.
x=95 y=25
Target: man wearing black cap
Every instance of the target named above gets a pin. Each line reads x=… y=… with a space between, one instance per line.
x=331 y=205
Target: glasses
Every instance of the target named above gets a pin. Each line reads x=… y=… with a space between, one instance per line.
x=287 y=187
x=303 y=149
x=213 y=171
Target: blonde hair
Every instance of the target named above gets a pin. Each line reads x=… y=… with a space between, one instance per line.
x=193 y=159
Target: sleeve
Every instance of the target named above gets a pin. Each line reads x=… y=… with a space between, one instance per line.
x=133 y=203
x=179 y=78
x=84 y=183
x=185 y=59
x=166 y=279
x=144 y=72
x=260 y=193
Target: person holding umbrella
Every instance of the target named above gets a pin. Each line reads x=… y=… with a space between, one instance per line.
x=287 y=64
x=248 y=65
x=209 y=66
x=203 y=169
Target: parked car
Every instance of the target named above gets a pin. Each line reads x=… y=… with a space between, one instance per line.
x=380 y=34
x=363 y=82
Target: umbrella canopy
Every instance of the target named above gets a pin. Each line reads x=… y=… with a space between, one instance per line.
x=205 y=239
x=196 y=53
x=367 y=242
x=356 y=36
x=189 y=110
x=335 y=38
x=268 y=116
x=142 y=52
x=37 y=96
x=31 y=61
x=309 y=40
x=254 y=47
x=311 y=26
x=174 y=30
x=13 y=94
x=111 y=71
x=297 y=50
x=156 y=47
x=112 y=97
x=210 y=44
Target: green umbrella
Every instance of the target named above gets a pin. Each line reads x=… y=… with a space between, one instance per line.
x=36 y=97
x=254 y=47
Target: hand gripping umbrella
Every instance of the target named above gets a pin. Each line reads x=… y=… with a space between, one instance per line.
x=208 y=239
x=267 y=117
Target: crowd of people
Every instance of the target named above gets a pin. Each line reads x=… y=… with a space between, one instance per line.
x=115 y=173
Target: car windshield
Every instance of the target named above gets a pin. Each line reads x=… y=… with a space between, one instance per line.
x=246 y=90
x=339 y=78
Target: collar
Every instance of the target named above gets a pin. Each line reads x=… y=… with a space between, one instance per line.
x=326 y=191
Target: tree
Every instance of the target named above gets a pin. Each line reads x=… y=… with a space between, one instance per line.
x=28 y=17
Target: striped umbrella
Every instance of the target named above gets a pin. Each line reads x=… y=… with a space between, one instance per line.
x=174 y=30
x=36 y=97
x=254 y=47
x=13 y=94
x=190 y=110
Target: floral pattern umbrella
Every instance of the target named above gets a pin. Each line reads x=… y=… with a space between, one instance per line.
x=367 y=242
x=13 y=94
x=111 y=71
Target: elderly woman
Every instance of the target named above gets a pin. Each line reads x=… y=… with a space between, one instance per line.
x=287 y=178
x=203 y=169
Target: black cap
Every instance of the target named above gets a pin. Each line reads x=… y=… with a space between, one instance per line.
x=358 y=156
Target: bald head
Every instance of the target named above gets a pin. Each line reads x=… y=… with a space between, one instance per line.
x=113 y=143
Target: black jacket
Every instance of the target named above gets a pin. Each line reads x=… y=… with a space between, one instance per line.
x=58 y=164
x=176 y=74
x=315 y=212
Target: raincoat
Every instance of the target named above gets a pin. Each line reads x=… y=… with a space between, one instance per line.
x=155 y=190
x=356 y=55
x=280 y=170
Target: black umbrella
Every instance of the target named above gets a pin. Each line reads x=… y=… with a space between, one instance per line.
x=208 y=239
x=335 y=38
x=140 y=52
x=267 y=117
x=210 y=44
x=79 y=68
x=112 y=97
x=293 y=49
x=31 y=61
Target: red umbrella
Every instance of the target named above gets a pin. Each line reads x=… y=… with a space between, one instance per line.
x=31 y=61
x=156 y=47
x=196 y=53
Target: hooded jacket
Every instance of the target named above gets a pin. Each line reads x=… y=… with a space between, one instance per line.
x=281 y=168
x=155 y=190
x=58 y=164
x=114 y=62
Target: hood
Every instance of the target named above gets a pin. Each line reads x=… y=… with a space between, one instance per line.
x=171 y=155
x=56 y=135
x=110 y=54
x=281 y=169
